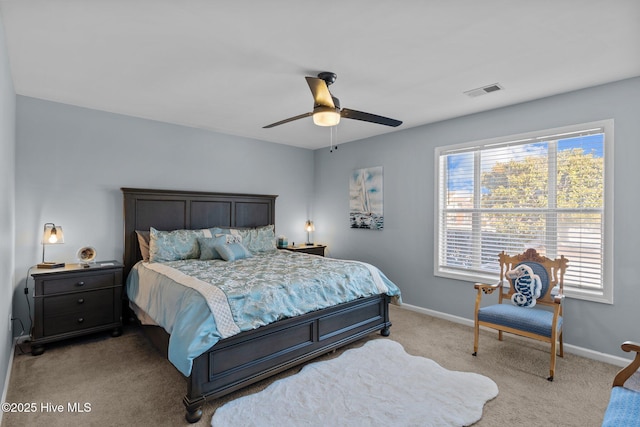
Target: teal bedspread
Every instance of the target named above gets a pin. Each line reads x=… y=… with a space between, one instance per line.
x=201 y=302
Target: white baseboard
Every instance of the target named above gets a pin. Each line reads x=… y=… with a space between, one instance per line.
x=438 y=314
x=573 y=349
x=16 y=340
x=8 y=376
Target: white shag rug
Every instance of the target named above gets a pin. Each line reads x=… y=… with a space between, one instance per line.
x=378 y=384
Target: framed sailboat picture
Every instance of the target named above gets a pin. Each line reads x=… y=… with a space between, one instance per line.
x=365 y=199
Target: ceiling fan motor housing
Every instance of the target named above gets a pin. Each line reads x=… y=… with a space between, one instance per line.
x=328 y=77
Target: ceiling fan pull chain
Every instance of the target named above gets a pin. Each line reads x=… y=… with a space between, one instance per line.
x=333 y=146
x=331 y=139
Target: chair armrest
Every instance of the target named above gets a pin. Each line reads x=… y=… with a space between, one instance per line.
x=484 y=288
x=624 y=374
x=487 y=289
x=630 y=346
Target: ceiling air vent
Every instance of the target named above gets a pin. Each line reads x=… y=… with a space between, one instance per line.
x=484 y=90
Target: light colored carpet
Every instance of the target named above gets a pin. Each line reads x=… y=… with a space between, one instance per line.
x=128 y=383
x=378 y=384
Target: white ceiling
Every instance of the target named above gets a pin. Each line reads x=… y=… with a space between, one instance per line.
x=235 y=66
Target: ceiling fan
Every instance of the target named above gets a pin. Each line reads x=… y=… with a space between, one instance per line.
x=326 y=107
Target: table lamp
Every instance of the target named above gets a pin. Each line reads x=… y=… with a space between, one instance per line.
x=52 y=235
x=309 y=227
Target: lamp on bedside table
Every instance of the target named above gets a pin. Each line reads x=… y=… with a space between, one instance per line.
x=309 y=227
x=52 y=235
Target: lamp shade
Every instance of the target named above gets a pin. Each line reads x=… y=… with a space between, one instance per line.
x=309 y=227
x=52 y=235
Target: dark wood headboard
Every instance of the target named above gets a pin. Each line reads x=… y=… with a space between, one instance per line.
x=173 y=210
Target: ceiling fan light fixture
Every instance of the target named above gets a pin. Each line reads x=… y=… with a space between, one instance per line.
x=326 y=107
x=326 y=116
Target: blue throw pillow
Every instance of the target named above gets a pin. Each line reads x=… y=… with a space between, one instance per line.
x=208 y=245
x=207 y=248
x=232 y=251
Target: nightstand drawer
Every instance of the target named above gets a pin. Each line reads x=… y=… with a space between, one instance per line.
x=72 y=322
x=78 y=303
x=75 y=284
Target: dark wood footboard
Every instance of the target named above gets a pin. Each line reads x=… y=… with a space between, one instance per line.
x=251 y=356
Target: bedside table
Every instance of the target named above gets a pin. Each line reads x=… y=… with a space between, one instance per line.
x=307 y=249
x=75 y=300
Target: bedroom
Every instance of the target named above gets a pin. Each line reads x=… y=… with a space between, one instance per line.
x=70 y=163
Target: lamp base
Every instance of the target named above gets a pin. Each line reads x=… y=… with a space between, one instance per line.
x=309 y=244
x=50 y=264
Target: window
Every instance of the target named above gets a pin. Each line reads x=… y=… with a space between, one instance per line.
x=549 y=190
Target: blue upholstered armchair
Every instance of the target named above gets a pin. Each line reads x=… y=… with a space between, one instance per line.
x=624 y=403
x=530 y=301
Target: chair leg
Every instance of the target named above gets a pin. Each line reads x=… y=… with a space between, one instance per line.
x=561 y=348
x=552 y=367
x=500 y=335
x=476 y=336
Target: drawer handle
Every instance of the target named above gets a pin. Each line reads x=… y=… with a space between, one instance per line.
x=81 y=301
x=80 y=320
x=80 y=284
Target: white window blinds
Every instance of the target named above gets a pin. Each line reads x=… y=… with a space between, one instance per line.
x=544 y=191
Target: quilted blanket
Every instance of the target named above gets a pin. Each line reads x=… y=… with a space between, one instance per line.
x=201 y=302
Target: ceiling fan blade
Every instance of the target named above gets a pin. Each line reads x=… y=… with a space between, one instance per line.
x=320 y=91
x=368 y=117
x=290 y=119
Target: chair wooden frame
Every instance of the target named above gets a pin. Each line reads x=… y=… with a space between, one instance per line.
x=624 y=374
x=555 y=271
x=624 y=401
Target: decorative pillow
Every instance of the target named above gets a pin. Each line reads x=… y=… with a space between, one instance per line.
x=174 y=245
x=207 y=250
x=259 y=239
x=143 y=244
x=230 y=238
x=218 y=230
x=526 y=285
x=208 y=244
x=232 y=251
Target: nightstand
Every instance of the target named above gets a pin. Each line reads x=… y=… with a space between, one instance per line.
x=75 y=300
x=308 y=249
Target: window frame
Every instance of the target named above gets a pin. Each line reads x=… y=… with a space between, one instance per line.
x=603 y=295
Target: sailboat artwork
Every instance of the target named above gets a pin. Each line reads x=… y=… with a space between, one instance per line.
x=365 y=199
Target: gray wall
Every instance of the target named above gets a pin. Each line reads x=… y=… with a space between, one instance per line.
x=7 y=202
x=404 y=249
x=71 y=163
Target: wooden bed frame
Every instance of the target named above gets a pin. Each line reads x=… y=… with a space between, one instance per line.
x=250 y=356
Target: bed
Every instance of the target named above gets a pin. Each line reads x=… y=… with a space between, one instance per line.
x=249 y=356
